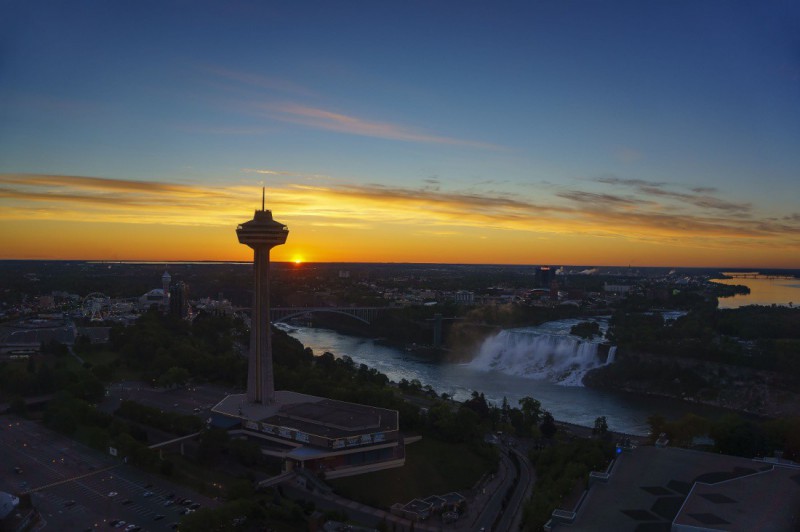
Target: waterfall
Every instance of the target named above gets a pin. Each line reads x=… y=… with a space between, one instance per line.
x=559 y=358
x=612 y=355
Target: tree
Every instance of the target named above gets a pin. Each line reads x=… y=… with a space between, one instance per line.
x=657 y=425
x=531 y=410
x=548 y=426
x=174 y=376
x=17 y=406
x=586 y=329
x=600 y=426
x=212 y=443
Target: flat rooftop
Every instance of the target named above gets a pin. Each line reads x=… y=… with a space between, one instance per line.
x=650 y=487
x=312 y=415
x=765 y=501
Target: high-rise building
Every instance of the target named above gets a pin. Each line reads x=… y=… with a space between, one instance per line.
x=262 y=233
x=179 y=299
x=544 y=276
x=165 y=280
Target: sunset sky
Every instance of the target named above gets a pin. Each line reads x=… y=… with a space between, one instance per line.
x=587 y=133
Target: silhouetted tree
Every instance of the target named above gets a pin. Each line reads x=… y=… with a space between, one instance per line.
x=548 y=426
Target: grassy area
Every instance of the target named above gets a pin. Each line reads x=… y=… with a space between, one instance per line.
x=432 y=467
x=97 y=357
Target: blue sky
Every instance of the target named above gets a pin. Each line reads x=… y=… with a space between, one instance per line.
x=621 y=126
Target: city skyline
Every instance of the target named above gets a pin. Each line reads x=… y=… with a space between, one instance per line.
x=550 y=133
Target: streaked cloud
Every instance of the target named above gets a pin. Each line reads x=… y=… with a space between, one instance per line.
x=614 y=180
x=697 y=196
x=258 y=81
x=264 y=171
x=256 y=94
x=427 y=209
x=700 y=200
x=596 y=198
x=704 y=190
x=317 y=118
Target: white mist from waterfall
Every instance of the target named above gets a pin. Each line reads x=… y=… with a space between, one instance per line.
x=547 y=352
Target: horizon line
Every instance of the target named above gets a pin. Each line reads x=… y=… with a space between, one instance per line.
x=301 y=263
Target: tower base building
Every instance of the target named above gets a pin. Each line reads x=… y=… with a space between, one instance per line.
x=323 y=436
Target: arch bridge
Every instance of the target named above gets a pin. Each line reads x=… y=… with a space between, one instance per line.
x=362 y=314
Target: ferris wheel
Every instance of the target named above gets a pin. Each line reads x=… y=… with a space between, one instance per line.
x=96 y=306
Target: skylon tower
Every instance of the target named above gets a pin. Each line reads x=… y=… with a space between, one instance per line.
x=262 y=233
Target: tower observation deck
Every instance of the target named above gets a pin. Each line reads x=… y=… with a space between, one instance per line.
x=262 y=233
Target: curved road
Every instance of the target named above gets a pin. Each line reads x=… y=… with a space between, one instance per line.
x=511 y=515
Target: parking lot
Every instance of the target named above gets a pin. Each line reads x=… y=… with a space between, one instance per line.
x=189 y=400
x=77 y=488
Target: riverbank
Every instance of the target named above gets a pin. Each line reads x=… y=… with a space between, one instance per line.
x=735 y=388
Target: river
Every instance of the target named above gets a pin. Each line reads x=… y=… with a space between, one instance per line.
x=543 y=362
x=763 y=291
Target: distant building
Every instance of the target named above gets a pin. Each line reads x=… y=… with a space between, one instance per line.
x=153 y=298
x=165 y=280
x=179 y=299
x=616 y=288
x=28 y=335
x=464 y=297
x=544 y=276
x=46 y=302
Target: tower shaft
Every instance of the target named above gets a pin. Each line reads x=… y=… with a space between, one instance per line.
x=262 y=233
x=260 y=380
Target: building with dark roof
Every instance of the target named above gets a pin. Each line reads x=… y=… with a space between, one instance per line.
x=654 y=489
x=28 y=335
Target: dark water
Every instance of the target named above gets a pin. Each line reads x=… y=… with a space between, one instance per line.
x=500 y=371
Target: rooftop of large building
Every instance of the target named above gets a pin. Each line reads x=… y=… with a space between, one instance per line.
x=651 y=488
x=309 y=414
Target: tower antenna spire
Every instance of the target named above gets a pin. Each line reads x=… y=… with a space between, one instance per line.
x=262 y=197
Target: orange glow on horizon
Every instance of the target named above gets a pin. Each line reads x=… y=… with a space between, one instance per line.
x=89 y=241
x=77 y=218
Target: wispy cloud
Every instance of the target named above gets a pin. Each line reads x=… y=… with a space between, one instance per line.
x=257 y=93
x=89 y=198
x=614 y=180
x=596 y=199
x=317 y=118
x=265 y=171
x=697 y=196
x=258 y=81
